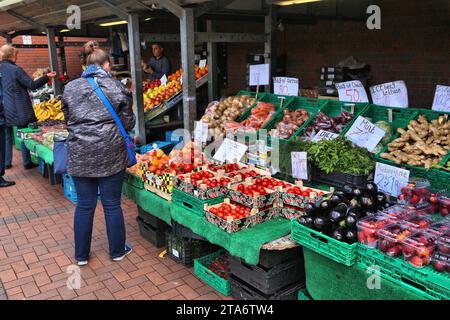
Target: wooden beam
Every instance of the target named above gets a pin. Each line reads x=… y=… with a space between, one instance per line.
x=173 y=6
x=122 y=14
x=26 y=20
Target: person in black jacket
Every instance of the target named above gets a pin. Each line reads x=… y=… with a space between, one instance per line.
x=3 y=182
x=18 y=109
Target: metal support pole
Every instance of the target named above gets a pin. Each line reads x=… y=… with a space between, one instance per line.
x=212 y=65
x=136 y=74
x=53 y=54
x=187 y=58
x=270 y=48
x=62 y=53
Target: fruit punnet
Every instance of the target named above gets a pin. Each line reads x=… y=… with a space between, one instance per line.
x=292 y=120
x=419 y=246
x=391 y=237
x=423 y=144
x=234 y=212
x=369 y=227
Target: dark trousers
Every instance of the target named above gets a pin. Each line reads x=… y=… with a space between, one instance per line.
x=87 y=195
x=2 y=149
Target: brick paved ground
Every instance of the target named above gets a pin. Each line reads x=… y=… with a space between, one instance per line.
x=36 y=247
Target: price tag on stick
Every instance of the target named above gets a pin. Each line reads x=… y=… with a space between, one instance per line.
x=299 y=165
x=391 y=94
x=365 y=134
x=201 y=132
x=441 y=101
x=164 y=80
x=352 y=91
x=390 y=179
x=285 y=86
x=259 y=75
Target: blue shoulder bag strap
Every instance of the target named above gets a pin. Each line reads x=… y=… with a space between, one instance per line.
x=107 y=103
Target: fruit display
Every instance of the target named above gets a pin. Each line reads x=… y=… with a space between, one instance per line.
x=218 y=114
x=234 y=217
x=203 y=185
x=423 y=144
x=255 y=192
x=419 y=246
x=338 y=214
x=441 y=256
x=391 y=237
x=50 y=110
x=369 y=227
x=419 y=221
x=398 y=212
x=292 y=121
x=47 y=134
x=324 y=122
x=190 y=154
x=444 y=205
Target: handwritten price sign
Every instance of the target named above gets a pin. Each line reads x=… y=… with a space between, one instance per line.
x=441 y=100
x=390 y=179
x=259 y=75
x=322 y=134
x=299 y=165
x=391 y=94
x=230 y=151
x=365 y=134
x=201 y=132
x=352 y=91
x=285 y=86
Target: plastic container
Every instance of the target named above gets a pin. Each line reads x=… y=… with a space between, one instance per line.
x=270 y=258
x=244 y=291
x=154 y=236
x=268 y=280
x=185 y=251
x=419 y=246
x=443 y=243
x=192 y=203
x=391 y=237
x=441 y=226
x=338 y=179
x=444 y=204
x=419 y=221
x=151 y=220
x=216 y=281
x=369 y=227
x=69 y=188
x=338 y=251
x=396 y=211
x=42 y=168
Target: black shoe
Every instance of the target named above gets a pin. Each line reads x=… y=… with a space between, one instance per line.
x=8 y=167
x=31 y=166
x=4 y=183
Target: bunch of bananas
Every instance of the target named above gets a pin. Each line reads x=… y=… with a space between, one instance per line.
x=50 y=110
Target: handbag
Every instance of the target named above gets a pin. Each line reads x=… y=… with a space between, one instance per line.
x=131 y=148
x=60 y=157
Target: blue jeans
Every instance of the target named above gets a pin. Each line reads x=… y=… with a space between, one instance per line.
x=26 y=158
x=110 y=194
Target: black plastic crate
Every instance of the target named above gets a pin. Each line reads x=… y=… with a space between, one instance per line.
x=243 y=291
x=270 y=258
x=182 y=231
x=339 y=179
x=268 y=280
x=186 y=250
x=151 y=220
x=156 y=237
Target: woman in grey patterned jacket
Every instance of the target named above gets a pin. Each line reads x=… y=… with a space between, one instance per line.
x=97 y=157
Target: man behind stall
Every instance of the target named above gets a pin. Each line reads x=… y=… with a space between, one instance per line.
x=158 y=65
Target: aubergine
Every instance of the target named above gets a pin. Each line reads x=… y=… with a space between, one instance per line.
x=351 y=236
x=321 y=223
x=380 y=199
x=310 y=209
x=347 y=189
x=366 y=203
x=355 y=206
x=357 y=193
x=336 y=216
x=324 y=207
x=350 y=221
x=302 y=221
x=371 y=188
x=309 y=222
x=341 y=207
x=339 y=234
x=335 y=200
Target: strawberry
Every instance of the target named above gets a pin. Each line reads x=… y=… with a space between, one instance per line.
x=416 y=261
x=393 y=251
x=414 y=199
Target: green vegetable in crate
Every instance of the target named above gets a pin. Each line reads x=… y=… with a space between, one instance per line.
x=386 y=127
x=422 y=144
x=339 y=155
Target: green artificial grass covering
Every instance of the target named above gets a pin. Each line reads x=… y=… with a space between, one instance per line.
x=44 y=153
x=244 y=244
x=30 y=144
x=154 y=205
x=329 y=280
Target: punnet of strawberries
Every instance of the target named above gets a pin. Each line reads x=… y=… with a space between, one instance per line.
x=220 y=266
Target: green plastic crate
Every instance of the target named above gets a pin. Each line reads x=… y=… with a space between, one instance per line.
x=21 y=133
x=415 y=171
x=213 y=280
x=427 y=281
x=34 y=157
x=338 y=251
x=303 y=295
x=191 y=203
x=333 y=108
x=311 y=105
x=266 y=97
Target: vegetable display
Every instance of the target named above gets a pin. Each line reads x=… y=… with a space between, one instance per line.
x=292 y=120
x=259 y=116
x=324 y=122
x=423 y=144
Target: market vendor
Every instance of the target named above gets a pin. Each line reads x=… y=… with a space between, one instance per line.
x=158 y=65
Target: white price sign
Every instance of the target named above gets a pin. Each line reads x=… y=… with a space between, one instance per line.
x=27 y=40
x=259 y=75
x=285 y=86
x=164 y=80
x=352 y=91
x=322 y=134
x=36 y=101
x=365 y=134
x=391 y=94
x=441 y=100
x=230 y=151
x=299 y=165
x=390 y=179
x=201 y=131
x=202 y=63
